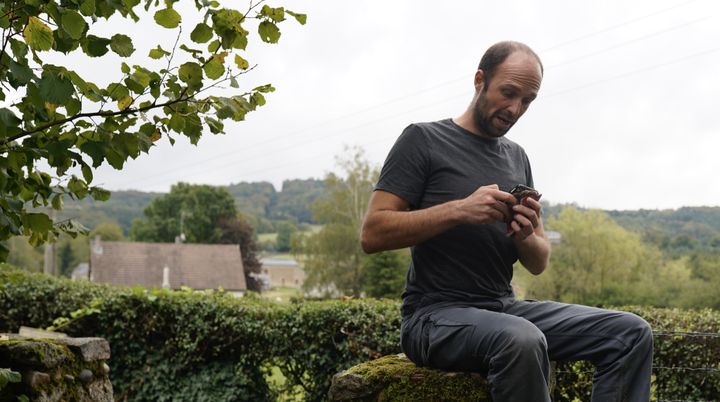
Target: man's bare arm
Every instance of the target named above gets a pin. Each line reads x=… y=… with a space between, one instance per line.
x=389 y=224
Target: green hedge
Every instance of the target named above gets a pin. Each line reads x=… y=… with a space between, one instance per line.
x=209 y=346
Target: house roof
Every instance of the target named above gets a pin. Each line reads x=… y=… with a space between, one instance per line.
x=198 y=266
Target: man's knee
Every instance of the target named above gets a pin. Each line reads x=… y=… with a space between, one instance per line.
x=523 y=338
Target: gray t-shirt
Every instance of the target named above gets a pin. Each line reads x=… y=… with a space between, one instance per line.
x=433 y=163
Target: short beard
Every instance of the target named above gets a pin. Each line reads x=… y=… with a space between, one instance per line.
x=483 y=122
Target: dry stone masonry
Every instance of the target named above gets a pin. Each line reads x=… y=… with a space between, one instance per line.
x=60 y=369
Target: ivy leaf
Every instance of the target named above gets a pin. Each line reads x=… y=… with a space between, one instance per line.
x=167 y=18
x=201 y=34
x=95 y=46
x=55 y=87
x=122 y=45
x=214 y=69
x=73 y=23
x=38 y=35
x=269 y=32
x=191 y=74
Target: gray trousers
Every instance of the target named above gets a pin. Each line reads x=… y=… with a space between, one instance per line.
x=513 y=341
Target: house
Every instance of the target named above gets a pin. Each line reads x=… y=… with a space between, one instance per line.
x=168 y=265
x=283 y=273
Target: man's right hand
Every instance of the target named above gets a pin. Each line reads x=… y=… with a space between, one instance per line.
x=487 y=205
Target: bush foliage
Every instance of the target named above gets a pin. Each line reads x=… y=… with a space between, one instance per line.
x=208 y=346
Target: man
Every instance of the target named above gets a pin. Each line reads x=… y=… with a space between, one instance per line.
x=444 y=191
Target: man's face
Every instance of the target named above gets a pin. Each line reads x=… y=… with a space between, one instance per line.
x=507 y=96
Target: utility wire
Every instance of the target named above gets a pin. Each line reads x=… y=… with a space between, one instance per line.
x=414 y=94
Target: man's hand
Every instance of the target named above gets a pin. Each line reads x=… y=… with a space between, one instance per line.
x=487 y=205
x=526 y=218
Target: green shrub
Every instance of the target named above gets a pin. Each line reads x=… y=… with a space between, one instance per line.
x=209 y=346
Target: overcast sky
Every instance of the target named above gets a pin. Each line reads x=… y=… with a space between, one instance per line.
x=627 y=116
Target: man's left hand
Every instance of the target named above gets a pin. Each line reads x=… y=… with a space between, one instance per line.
x=526 y=217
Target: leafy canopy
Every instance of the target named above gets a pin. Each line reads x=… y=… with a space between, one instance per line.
x=63 y=126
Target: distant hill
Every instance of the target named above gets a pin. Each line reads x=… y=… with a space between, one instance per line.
x=258 y=199
x=676 y=231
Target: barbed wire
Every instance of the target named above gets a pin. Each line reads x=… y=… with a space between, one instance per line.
x=690 y=334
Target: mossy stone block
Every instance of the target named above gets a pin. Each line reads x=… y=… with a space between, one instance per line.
x=395 y=378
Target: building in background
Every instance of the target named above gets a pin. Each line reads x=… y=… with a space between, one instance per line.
x=283 y=273
x=168 y=265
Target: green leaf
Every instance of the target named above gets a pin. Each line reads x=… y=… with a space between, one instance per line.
x=87 y=8
x=122 y=45
x=117 y=91
x=167 y=18
x=95 y=46
x=177 y=122
x=125 y=102
x=37 y=222
x=157 y=53
x=191 y=74
x=87 y=172
x=138 y=81
x=99 y=194
x=214 y=46
x=57 y=202
x=78 y=187
x=216 y=126
x=10 y=124
x=269 y=32
x=301 y=18
x=38 y=35
x=73 y=23
x=20 y=72
x=55 y=87
x=72 y=107
x=276 y=14
x=214 y=69
x=241 y=63
x=124 y=68
x=201 y=34
x=7 y=375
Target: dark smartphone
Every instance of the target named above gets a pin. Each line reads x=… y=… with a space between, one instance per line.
x=522 y=191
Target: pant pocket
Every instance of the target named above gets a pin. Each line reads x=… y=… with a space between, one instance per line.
x=448 y=344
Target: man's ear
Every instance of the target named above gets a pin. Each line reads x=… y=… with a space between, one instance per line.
x=479 y=80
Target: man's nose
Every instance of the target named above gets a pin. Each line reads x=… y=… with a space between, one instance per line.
x=516 y=108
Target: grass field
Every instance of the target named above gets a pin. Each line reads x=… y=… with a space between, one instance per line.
x=281 y=295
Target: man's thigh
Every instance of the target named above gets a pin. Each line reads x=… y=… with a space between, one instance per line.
x=576 y=332
x=463 y=338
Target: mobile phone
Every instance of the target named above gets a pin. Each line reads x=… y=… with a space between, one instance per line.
x=522 y=191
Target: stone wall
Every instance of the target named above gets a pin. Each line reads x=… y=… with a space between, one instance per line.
x=61 y=369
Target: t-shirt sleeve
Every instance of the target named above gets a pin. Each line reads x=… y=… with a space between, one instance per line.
x=406 y=167
x=528 y=171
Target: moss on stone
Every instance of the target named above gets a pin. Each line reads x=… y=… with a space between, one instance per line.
x=400 y=380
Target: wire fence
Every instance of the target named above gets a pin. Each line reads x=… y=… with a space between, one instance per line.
x=659 y=370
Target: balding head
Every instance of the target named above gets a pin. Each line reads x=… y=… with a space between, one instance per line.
x=498 y=53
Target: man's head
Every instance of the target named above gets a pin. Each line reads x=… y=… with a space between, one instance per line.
x=506 y=82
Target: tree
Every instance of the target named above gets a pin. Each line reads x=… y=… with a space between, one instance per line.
x=332 y=258
x=203 y=214
x=597 y=262
x=108 y=231
x=235 y=230
x=191 y=210
x=72 y=125
x=385 y=274
x=285 y=232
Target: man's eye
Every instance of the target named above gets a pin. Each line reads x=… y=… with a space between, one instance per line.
x=508 y=94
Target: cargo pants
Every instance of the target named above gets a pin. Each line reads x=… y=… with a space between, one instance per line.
x=513 y=341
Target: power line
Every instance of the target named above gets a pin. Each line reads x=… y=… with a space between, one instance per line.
x=394 y=115
x=395 y=100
